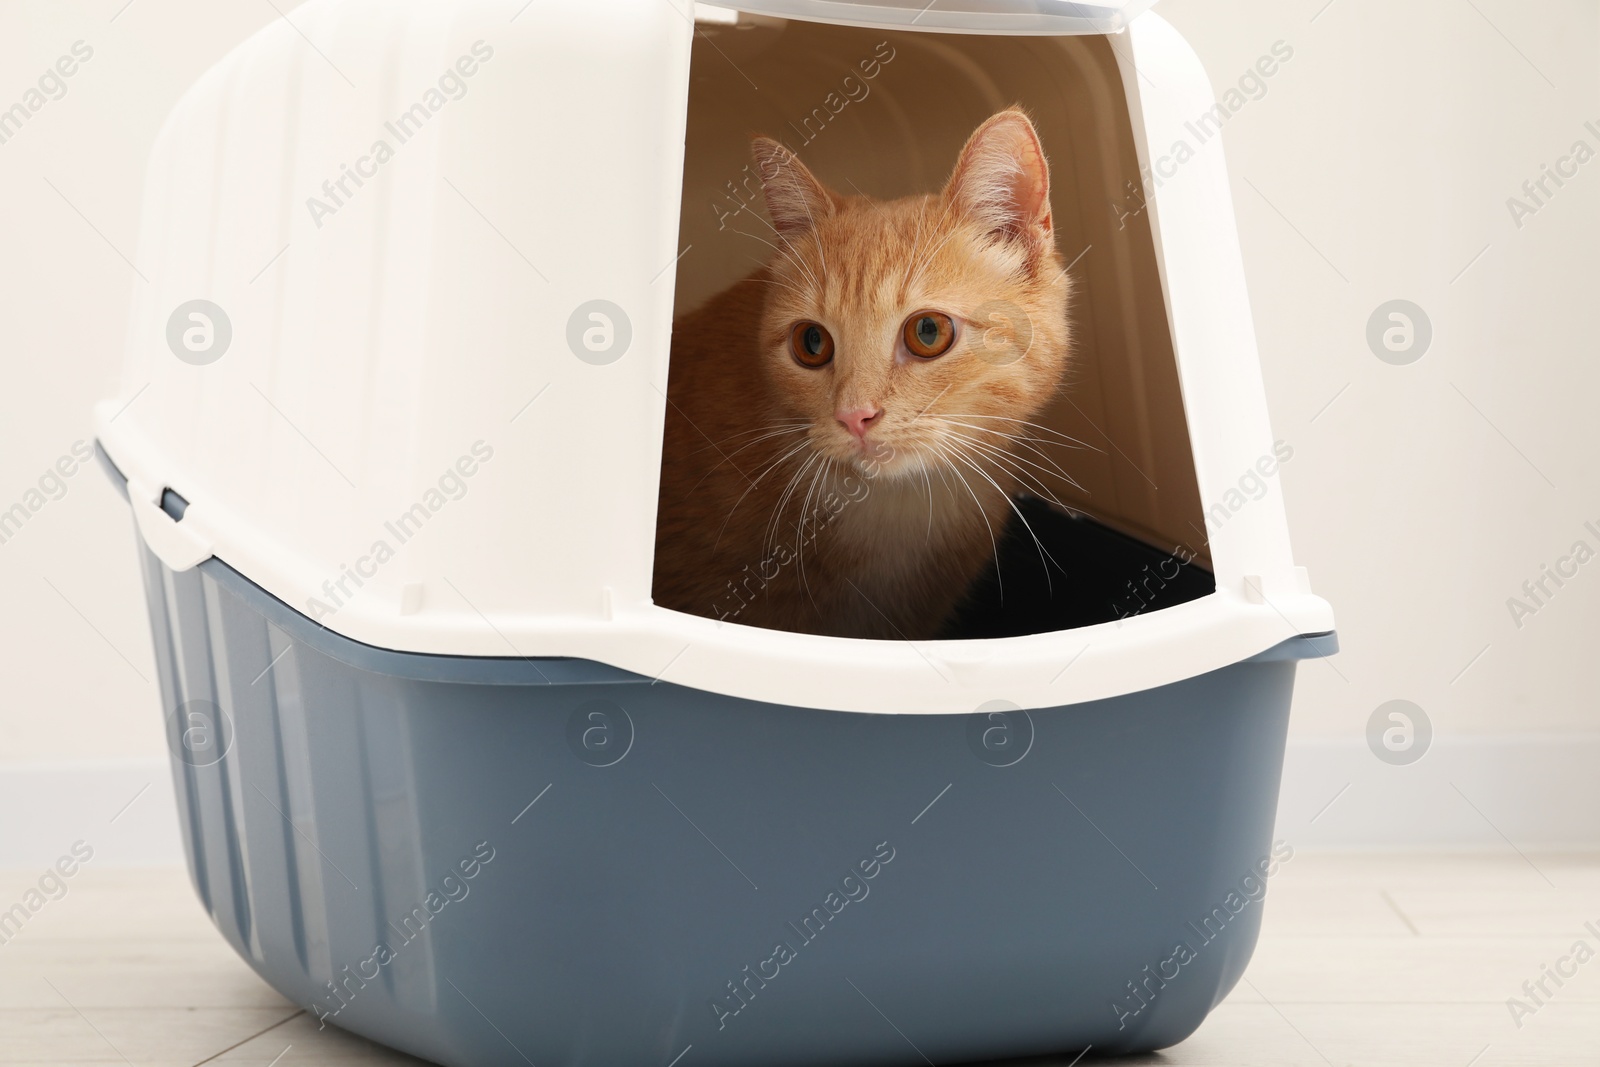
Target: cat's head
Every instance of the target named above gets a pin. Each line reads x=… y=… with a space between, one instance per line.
x=905 y=330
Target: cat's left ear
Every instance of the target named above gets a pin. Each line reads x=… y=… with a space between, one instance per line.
x=795 y=199
x=1003 y=181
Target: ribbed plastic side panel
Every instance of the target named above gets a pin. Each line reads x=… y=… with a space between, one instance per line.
x=264 y=823
x=604 y=871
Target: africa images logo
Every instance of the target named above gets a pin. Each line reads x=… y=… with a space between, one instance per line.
x=452 y=888
x=337 y=192
x=1251 y=888
x=852 y=888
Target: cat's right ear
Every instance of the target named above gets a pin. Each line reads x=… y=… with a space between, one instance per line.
x=1002 y=180
x=795 y=199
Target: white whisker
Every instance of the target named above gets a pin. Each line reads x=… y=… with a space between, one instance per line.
x=1053 y=471
x=1063 y=438
x=750 y=488
x=1044 y=556
x=993 y=544
x=799 y=546
x=792 y=254
x=928 y=482
x=775 y=523
x=795 y=258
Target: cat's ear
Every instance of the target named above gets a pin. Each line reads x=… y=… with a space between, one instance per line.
x=795 y=199
x=1003 y=181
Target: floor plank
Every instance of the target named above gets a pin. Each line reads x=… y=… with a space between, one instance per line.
x=1365 y=960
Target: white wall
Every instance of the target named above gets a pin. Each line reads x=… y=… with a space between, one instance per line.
x=79 y=711
x=1376 y=166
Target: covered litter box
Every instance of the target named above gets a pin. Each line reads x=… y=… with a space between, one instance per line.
x=391 y=430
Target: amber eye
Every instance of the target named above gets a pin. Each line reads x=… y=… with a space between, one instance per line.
x=811 y=344
x=929 y=334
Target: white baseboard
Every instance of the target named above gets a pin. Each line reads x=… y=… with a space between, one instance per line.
x=1530 y=791
x=1527 y=791
x=125 y=811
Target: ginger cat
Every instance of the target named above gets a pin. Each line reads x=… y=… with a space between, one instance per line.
x=846 y=427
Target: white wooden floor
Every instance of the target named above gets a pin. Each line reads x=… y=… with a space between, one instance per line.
x=1365 y=960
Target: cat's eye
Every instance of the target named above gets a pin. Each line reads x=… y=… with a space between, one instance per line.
x=929 y=334
x=811 y=344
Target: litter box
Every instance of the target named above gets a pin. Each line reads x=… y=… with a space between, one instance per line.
x=390 y=431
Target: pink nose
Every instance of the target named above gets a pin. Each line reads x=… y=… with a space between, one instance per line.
x=856 y=420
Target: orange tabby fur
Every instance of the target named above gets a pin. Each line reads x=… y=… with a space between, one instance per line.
x=772 y=512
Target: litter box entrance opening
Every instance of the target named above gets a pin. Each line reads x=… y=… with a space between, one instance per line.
x=885 y=114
